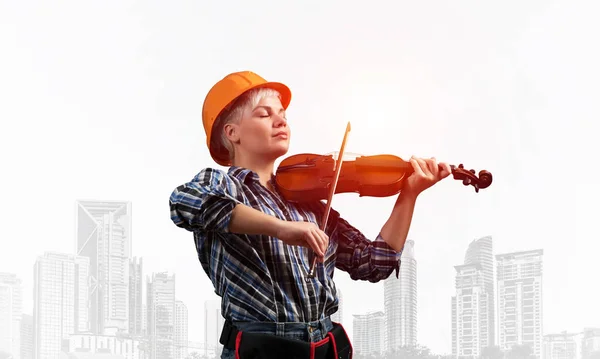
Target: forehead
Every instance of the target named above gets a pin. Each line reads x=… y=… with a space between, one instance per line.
x=272 y=102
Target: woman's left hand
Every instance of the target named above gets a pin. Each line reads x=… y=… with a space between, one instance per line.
x=427 y=172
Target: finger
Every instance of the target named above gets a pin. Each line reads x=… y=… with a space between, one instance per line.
x=322 y=240
x=424 y=167
x=417 y=167
x=446 y=170
x=325 y=244
x=315 y=234
x=314 y=242
x=433 y=166
x=325 y=240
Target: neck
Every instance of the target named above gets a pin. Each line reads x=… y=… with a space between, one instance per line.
x=263 y=168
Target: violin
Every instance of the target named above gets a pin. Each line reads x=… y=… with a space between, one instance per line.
x=312 y=177
x=308 y=177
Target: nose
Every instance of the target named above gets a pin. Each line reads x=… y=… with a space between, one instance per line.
x=279 y=121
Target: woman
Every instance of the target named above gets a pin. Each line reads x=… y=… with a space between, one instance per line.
x=254 y=245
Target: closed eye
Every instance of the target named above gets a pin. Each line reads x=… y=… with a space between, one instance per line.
x=266 y=111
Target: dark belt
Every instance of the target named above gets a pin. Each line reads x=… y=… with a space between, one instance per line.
x=250 y=345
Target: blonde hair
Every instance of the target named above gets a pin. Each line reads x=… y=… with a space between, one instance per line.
x=221 y=146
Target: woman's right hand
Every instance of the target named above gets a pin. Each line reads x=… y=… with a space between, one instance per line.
x=306 y=234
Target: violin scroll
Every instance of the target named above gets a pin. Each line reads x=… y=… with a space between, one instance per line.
x=469 y=178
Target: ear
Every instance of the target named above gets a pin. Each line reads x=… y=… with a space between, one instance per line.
x=232 y=132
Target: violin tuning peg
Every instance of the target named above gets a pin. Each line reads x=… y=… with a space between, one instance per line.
x=472 y=171
x=461 y=166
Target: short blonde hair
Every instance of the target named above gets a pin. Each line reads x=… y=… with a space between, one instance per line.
x=233 y=113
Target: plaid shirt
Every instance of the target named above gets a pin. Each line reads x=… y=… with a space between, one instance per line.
x=260 y=278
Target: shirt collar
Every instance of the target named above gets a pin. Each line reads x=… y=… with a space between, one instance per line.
x=244 y=174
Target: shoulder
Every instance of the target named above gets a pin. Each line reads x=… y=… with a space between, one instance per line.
x=233 y=181
x=211 y=175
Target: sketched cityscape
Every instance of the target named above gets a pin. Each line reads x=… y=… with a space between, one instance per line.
x=493 y=314
x=92 y=304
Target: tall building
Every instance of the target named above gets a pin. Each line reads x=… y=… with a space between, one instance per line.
x=161 y=315
x=11 y=310
x=560 y=346
x=590 y=342
x=145 y=317
x=400 y=302
x=103 y=235
x=481 y=251
x=181 y=330
x=27 y=337
x=520 y=310
x=213 y=325
x=338 y=316
x=369 y=333
x=135 y=297
x=470 y=314
x=60 y=301
x=473 y=312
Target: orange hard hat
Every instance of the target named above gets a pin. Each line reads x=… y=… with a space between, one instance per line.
x=226 y=91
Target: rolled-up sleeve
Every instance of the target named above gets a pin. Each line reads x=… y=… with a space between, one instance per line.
x=362 y=258
x=206 y=202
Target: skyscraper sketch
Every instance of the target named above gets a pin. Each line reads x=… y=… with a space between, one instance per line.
x=400 y=302
x=161 y=315
x=145 y=316
x=482 y=251
x=213 y=325
x=590 y=342
x=472 y=306
x=470 y=314
x=560 y=346
x=27 y=329
x=11 y=310
x=520 y=311
x=60 y=297
x=103 y=234
x=93 y=301
x=136 y=297
x=181 y=330
x=369 y=333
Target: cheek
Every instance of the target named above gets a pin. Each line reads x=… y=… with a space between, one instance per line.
x=261 y=132
x=256 y=135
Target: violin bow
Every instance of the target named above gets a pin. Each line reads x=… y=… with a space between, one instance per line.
x=332 y=187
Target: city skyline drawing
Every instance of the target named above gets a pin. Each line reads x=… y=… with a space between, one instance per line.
x=154 y=323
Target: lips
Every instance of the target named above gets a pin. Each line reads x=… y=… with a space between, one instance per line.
x=281 y=134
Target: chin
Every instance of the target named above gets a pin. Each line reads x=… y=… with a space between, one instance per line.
x=278 y=152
